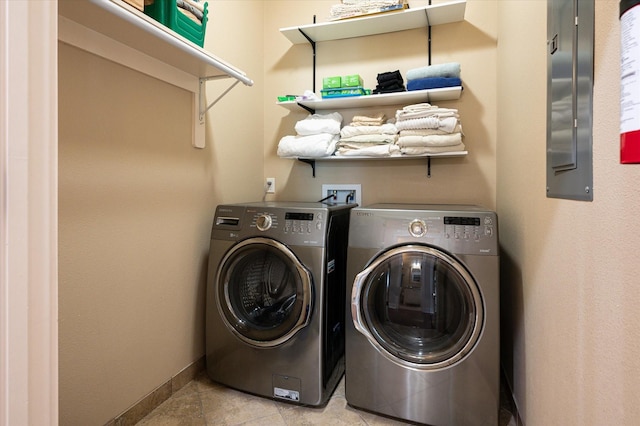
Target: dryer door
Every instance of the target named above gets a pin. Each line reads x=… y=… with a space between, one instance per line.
x=264 y=292
x=418 y=306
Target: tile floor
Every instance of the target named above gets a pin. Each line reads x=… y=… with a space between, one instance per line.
x=203 y=403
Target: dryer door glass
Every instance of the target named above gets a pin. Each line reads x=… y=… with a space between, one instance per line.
x=264 y=292
x=420 y=306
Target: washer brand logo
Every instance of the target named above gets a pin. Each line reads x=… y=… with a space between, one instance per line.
x=222 y=209
x=485 y=250
x=363 y=214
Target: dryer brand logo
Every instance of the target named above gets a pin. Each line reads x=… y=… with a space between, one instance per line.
x=485 y=250
x=364 y=214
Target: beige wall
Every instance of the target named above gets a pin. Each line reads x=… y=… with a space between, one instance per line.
x=136 y=203
x=288 y=69
x=570 y=282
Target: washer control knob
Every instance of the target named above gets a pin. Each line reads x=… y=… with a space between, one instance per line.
x=417 y=228
x=263 y=222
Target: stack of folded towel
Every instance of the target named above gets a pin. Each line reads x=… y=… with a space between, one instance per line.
x=434 y=76
x=368 y=136
x=317 y=136
x=427 y=129
x=389 y=82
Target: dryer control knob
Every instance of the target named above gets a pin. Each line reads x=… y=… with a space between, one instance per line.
x=263 y=222
x=417 y=228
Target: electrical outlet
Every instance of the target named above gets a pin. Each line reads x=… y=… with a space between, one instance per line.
x=351 y=193
x=270 y=185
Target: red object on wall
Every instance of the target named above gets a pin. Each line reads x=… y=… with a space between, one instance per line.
x=630 y=147
x=630 y=81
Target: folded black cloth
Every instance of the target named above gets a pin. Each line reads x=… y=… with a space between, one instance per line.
x=391 y=75
x=389 y=84
x=394 y=88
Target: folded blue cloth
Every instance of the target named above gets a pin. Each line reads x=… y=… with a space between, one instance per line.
x=449 y=69
x=433 y=83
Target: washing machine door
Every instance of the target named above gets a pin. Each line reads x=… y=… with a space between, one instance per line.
x=418 y=306
x=264 y=292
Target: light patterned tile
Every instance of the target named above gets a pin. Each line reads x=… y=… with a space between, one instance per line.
x=335 y=413
x=182 y=409
x=229 y=407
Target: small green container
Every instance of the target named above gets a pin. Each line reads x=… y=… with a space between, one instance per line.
x=353 y=80
x=166 y=12
x=332 y=82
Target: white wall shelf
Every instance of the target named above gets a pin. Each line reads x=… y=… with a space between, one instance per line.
x=312 y=161
x=407 y=19
x=119 y=32
x=382 y=99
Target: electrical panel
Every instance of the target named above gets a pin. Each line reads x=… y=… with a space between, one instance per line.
x=570 y=31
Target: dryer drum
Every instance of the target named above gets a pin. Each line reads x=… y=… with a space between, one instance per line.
x=418 y=306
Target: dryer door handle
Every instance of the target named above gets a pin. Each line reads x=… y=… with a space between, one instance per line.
x=356 y=293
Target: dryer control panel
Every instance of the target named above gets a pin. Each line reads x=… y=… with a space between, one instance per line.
x=454 y=228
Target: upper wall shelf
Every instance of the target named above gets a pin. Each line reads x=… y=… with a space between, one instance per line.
x=408 y=19
x=397 y=98
x=123 y=34
x=127 y=25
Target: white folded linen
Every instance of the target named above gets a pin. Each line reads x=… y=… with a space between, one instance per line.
x=423 y=150
x=445 y=124
x=389 y=150
x=369 y=120
x=321 y=145
x=349 y=131
x=433 y=112
x=371 y=138
x=428 y=132
x=431 y=140
x=320 y=123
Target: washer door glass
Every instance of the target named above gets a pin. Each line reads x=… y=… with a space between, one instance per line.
x=264 y=292
x=419 y=306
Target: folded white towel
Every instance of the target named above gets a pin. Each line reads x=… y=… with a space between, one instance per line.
x=447 y=124
x=429 y=132
x=319 y=123
x=374 y=120
x=385 y=129
x=321 y=145
x=433 y=112
x=431 y=140
x=390 y=150
x=371 y=138
x=424 y=150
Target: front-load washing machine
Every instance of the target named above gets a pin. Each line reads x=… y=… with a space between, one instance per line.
x=422 y=339
x=275 y=309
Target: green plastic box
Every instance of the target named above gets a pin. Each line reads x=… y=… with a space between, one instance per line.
x=353 y=80
x=166 y=12
x=332 y=82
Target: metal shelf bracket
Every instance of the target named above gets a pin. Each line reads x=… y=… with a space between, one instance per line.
x=203 y=101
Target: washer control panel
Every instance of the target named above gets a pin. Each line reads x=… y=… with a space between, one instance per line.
x=298 y=227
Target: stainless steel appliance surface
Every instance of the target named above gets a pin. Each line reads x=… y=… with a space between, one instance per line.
x=275 y=308
x=422 y=333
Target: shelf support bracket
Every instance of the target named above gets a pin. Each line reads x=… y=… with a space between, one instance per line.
x=313 y=47
x=203 y=101
x=310 y=162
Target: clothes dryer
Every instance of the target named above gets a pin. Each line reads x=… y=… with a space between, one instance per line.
x=275 y=308
x=422 y=337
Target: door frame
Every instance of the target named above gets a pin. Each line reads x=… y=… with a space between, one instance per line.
x=28 y=213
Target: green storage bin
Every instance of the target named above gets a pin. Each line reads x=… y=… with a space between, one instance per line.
x=166 y=12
